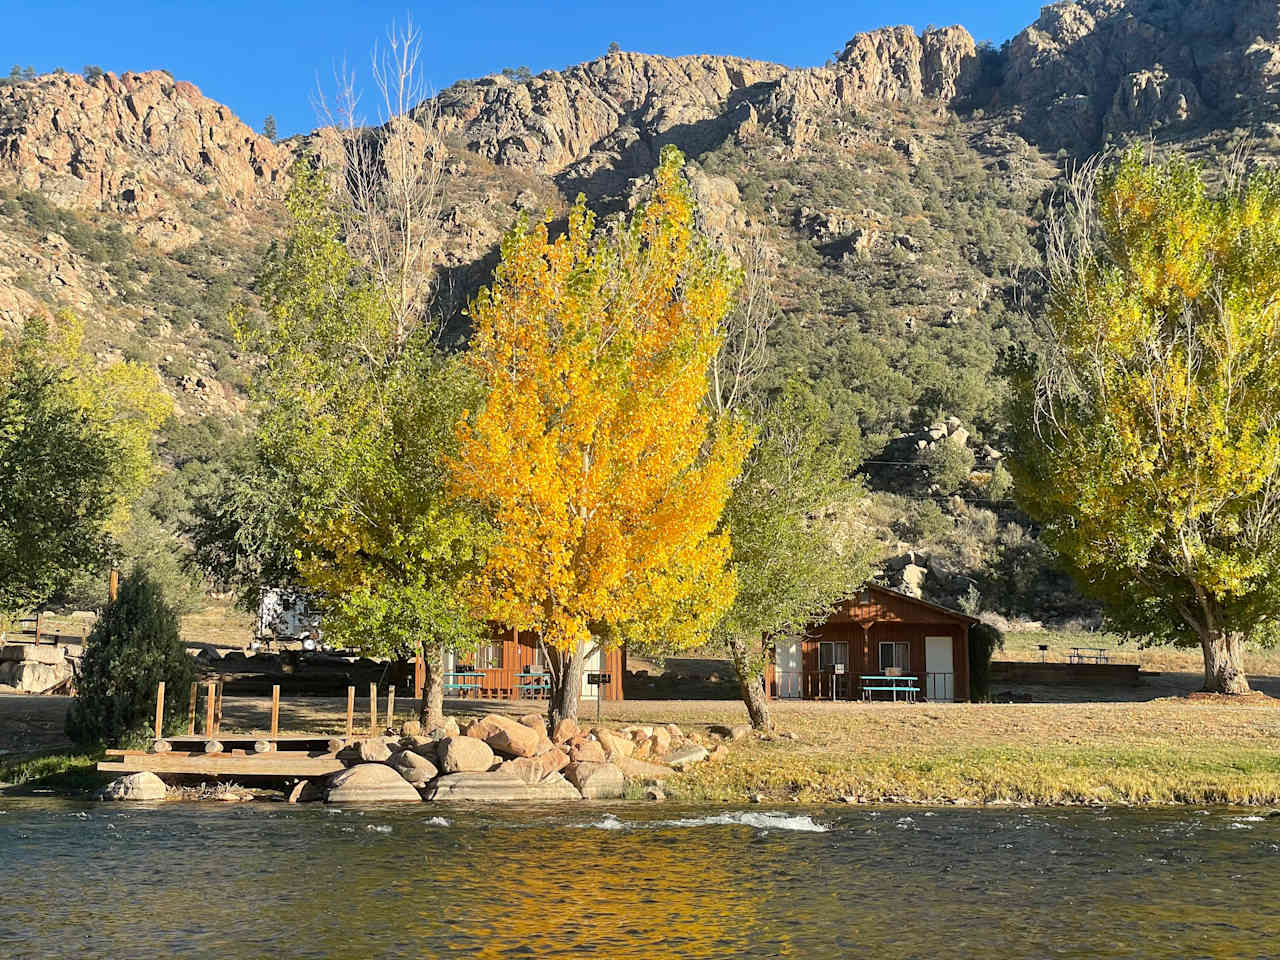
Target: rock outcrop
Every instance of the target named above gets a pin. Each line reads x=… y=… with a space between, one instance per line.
x=128 y=142
x=1092 y=67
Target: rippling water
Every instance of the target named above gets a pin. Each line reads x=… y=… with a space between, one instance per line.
x=625 y=881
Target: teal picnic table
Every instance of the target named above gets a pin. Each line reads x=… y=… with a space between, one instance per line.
x=462 y=682
x=893 y=685
x=531 y=685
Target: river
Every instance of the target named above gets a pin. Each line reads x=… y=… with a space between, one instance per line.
x=633 y=881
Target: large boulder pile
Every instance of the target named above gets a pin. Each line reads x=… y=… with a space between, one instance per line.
x=494 y=758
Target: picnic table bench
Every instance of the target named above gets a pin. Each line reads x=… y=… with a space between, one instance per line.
x=1088 y=655
x=894 y=685
x=463 y=682
x=536 y=685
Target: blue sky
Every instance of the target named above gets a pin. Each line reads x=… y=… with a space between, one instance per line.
x=266 y=57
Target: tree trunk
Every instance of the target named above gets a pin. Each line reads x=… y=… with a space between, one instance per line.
x=751 y=682
x=1223 y=662
x=566 y=684
x=431 y=710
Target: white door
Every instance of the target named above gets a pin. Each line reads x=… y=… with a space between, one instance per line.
x=592 y=663
x=789 y=669
x=939 y=666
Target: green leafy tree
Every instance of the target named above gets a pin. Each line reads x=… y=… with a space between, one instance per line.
x=795 y=553
x=132 y=648
x=1148 y=436
x=358 y=414
x=78 y=442
x=92 y=71
x=56 y=490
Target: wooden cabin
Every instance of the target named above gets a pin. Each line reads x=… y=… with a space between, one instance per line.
x=512 y=668
x=877 y=632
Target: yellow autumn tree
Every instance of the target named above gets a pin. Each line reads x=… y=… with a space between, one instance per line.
x=604 y=468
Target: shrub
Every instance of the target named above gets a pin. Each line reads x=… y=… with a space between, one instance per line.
x=984 y=640
x=133 y=647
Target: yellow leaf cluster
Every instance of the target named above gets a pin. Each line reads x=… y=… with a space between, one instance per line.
x=595 y=450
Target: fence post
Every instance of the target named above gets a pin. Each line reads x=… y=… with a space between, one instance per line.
x=275 y=712
x=208 y=709
x=159 y=710
x=351 y=710
x=217 y=717
x=191 y=710
x=373 y=709
x=391 y=704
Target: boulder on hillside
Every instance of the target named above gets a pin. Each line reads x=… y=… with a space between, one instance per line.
x=134 y=786
x=415 y=768
x=369 y=783
x=464 y=755
x=596 y=781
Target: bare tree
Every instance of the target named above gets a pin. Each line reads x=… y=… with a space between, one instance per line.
x=743 y=354
x=391 y=183
x=388 y=188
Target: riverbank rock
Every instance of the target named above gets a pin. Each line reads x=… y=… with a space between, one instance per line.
x=655 y=794
x=415 y=768
x=263 y=746
x=614 y=744
x=642 y=770
x=369 y=783
x=487 y=785
x=369 y=750
x=555 y=787
x=596 y=781
x=552 y=761
x=212 y=747
x=333 y=745
x=565 y=731
x=423 y=746
x=160 y=746
x=535 y=721
x=511 y=738
x=686 y=757
x=411 y=728
x=527 y=769
x=588 y=751
x=134 y=786
x=464 y=755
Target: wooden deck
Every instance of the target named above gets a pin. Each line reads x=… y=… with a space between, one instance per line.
x=237 y=763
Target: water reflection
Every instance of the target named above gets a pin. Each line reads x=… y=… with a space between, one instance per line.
x=633 y=882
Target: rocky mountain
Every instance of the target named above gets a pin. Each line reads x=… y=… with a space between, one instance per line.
x=901 y=186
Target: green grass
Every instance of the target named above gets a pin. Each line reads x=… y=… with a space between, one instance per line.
x=65 y=771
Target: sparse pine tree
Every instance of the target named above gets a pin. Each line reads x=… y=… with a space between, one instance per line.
x=269 y=127
x=134 y=646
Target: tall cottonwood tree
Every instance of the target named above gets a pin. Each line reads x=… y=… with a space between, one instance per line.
x=1148 y=434
x=796 y=548
x=357 y=421
x=603 y=466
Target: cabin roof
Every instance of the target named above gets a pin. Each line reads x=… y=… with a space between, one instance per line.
x=907 y=598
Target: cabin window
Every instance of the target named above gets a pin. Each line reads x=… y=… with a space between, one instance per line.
x=832 y=654
x=895 y=656
x=489 y=657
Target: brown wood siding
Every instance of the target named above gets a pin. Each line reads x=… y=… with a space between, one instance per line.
x=864 y=649
x=500 y=683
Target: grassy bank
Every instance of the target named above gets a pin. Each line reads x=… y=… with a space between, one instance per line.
x=1165 y=752
x=63 y=771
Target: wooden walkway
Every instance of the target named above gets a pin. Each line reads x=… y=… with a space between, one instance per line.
x=235 y=763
